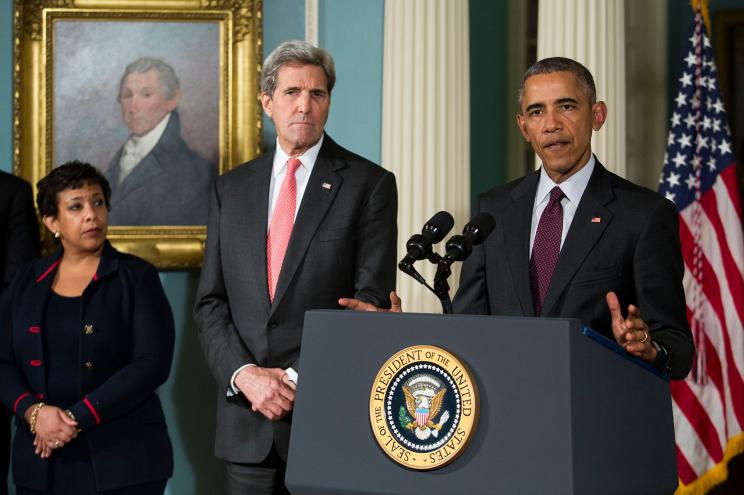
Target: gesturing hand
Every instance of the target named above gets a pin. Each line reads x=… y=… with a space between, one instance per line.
x=357 y=305
x=269 y=390
x=632 y=332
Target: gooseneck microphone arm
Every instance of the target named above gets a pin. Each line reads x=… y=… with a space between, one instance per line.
x=459 y=248
x=419 y=246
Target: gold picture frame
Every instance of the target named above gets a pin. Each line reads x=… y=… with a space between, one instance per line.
x=235 y=24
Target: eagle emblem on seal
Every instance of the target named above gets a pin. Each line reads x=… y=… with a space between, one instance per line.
x=424 y=394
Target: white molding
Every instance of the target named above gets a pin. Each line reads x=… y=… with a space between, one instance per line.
x=593 y=33
x=311 y=22
x=426 y=123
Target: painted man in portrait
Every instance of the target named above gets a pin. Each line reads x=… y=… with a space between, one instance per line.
x=156 y=179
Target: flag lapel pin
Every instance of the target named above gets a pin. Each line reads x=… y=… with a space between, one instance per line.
x=326 y=186
x=596 y=220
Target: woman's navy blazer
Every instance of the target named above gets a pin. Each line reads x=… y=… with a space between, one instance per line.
x=125 y=353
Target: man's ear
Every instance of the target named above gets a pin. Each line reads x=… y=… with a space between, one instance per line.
x=599 y=115
x=522 y=127
x=266 y=104
x=173 y=103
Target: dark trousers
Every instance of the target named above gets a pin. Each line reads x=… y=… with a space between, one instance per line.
x=5 y=418
x=264 y=478
x=156 y=488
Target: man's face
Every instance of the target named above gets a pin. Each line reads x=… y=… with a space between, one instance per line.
x=299 y=107
x=143 y=103
x=557 y=120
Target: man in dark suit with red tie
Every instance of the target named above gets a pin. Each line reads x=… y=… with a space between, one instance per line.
x=295 y=229
x=574 y=240
x=20 y=243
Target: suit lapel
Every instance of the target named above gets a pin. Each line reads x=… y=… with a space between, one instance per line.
x=517 y=223
x=316 y=201
x=142 y=175
x=253 y=211
x=583 y=234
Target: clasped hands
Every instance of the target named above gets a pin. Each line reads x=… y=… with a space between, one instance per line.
x=54 y=429
x=269 y=390
x=631 y=332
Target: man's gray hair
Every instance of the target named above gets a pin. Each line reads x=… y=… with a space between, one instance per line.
x=561 y=64
x=295 y=52
x=166 y=75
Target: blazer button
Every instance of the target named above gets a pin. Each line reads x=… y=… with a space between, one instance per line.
x=89 y=366
x=88 y=329
x=273 y=324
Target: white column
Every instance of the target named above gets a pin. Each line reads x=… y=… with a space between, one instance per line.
x=593 y=33
x=311 y=22
x=426 y=122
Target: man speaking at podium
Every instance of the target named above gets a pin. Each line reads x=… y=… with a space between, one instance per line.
x=292 y=230
x=573 y=240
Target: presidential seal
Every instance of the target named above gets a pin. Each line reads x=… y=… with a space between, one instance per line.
x=423 y=407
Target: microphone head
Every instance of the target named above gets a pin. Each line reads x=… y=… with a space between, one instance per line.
x=438 y=226
x=479 y=227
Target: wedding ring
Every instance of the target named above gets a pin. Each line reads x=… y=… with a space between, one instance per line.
x=56 y=444
x=645 y=337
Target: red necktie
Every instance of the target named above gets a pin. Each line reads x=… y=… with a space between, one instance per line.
x=282 y=221
x=546 y=248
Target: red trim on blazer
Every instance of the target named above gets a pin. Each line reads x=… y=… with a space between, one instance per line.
x=35 y=362
x=92 y=410
x=34 y=329
x=19 y=399
x=95 y=277
x=54 y=265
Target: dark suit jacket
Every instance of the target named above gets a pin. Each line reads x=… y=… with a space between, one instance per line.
x=124 y=357
x=633 y=249
x=18 y=228
x=343 y=244
x=170 y=186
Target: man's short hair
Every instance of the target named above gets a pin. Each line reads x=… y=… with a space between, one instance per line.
x=169 y=82
x=561 y=64
x=295 y=52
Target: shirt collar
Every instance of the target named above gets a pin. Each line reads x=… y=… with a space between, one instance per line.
x=573 y=187
x=145 y=143
x=308 y=158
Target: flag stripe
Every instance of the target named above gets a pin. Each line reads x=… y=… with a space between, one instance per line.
x=713 y=294
x=686 y=472
x=692 y=447
x=699 y=420
x=714 y=370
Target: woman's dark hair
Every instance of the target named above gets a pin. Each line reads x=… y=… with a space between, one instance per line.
x=70 y=175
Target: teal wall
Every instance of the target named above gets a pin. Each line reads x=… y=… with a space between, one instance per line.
x=352 y=31
x=489 y=115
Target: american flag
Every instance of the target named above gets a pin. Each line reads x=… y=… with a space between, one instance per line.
x=700 y=177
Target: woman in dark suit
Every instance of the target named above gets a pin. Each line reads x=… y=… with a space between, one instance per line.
x=86 y=337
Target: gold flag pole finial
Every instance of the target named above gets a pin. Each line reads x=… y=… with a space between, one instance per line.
x=703 y=5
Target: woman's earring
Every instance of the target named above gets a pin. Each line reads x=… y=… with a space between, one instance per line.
x=56 y=234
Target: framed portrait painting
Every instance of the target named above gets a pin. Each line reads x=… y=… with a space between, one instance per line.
x=160 y=95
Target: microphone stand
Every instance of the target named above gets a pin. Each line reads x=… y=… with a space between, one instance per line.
x=441 y=286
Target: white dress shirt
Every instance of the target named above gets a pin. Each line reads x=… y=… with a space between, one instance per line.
x=138 y=147
x=279 y=170
x=573 y=188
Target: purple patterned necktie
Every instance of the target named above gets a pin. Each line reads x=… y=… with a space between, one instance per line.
x=546 y=248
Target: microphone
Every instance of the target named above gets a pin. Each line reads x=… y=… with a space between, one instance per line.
x=419 y=245
x=475 y=232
